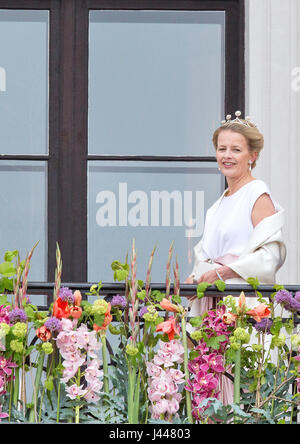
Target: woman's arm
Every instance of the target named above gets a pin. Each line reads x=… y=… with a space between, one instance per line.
x=262 y=208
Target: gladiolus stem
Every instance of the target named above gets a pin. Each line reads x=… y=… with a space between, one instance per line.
x=186 y=371
x=37 y=381
x=237 y=378
x=105 y=365
x=16 y=387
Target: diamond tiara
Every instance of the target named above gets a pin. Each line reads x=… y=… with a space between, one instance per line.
x=246 y=122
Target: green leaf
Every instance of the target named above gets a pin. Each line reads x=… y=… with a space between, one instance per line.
x=176 y=299
x=202 y=286
x=238 y=411
x=254 y=282
x=7 y=269
x=99 y=319
x=194 y=354
x=141 y=294
x=200 y=294
x=3 y=299
x=9 y=255
x=196 y=321
x=214 y=342
x=221 y=286
x=121 y=275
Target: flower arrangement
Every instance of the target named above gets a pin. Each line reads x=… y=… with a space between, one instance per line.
x=238 y=365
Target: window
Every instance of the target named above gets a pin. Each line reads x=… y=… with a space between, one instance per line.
x=106 y=115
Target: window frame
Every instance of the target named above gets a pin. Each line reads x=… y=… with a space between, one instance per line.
x=68 y=114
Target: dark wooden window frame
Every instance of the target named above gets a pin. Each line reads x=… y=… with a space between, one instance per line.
x=68 y=113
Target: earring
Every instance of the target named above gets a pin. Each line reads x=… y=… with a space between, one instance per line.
x=250 y=165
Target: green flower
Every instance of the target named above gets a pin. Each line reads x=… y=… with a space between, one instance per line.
x=131 y=350
x=4 y=329
x=279 y=341
x=16 y=346
x=196 y=335
x=241 y=335
x=20 y=330
x=47 y=348
x=151 y=314
x=257 y=347
x=295 y=339
x=99 y=307
x=234 y=344
x=230 y=301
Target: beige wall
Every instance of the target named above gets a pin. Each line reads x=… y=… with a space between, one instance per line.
x=272 y=56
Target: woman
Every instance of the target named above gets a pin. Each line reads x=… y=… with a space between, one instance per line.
x=243 y=230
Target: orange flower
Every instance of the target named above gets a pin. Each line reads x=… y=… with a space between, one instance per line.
x=43 y=333
x=77 y=297
x=229 y=318
x=107 y=320
x=61 y=309
x=75 y=311
x=167 y=305
x=242 y=302
x=259 y=312
x=170 y=327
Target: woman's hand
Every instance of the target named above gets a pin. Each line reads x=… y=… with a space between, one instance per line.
x=224 y=272
x=210 y=277
x=190 y=279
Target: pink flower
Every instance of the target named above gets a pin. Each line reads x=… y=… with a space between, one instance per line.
x=213 y=362
x=153 y=369
x=6 y=366
x=4 y=310
x=177 y=375
x=92 y=371
x=160 y=407
x=74 y=390
x=205 y=381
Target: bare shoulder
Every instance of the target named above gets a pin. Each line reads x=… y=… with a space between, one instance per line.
x=262 y=208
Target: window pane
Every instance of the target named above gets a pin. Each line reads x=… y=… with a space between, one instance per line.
x=24 y=81
x=23 y=212
x=154 y=203
x=156 y=81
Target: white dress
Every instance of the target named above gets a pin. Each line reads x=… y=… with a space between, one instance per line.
x=229 y=238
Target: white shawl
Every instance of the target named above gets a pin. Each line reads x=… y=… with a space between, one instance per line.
x=264 y=255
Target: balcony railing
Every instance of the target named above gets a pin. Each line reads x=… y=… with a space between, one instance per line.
x=110 y=289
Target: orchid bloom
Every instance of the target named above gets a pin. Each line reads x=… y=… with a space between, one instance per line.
x=170 y=327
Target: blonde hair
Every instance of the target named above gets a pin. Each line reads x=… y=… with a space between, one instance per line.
x=254 y=138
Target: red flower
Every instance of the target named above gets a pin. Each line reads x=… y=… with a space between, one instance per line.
x=61 y=309
x=43 y=333
x=170 y=327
